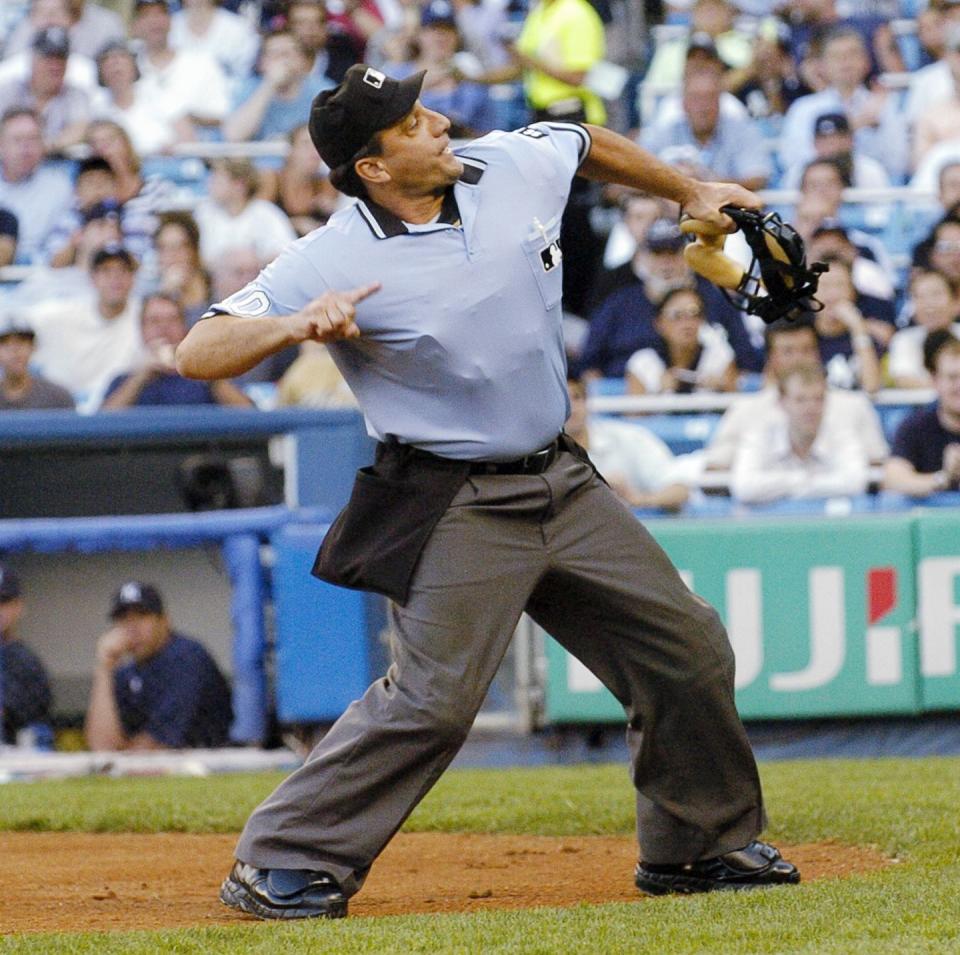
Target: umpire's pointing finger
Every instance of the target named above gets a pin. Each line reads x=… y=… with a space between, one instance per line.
x=359 y=294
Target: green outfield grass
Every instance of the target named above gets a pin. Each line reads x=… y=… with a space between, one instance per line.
x=910 y=809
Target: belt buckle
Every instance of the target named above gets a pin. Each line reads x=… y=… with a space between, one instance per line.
x=536 y=458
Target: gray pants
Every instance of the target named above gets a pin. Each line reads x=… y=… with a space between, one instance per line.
x=562 y=547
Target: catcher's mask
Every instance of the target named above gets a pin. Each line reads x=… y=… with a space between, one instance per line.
x=778 y=282
x=779 y=266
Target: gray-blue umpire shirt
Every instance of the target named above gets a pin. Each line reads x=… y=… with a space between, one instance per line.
x=461 y=351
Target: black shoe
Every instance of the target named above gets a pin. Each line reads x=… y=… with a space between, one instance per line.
x=756 y=866
x=283 y=893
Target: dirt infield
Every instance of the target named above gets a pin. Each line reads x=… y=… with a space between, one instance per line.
x=79 y=881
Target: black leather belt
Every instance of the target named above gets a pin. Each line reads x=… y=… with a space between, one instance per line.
x=535 y=463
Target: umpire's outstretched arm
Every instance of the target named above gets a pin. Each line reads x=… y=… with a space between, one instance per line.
x=614 y=158
x=223 y=346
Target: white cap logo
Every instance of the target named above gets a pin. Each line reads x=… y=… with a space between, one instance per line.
x=374 y=78
x=130 y=593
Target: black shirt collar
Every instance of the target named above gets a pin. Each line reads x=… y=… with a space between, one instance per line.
x=385 y=225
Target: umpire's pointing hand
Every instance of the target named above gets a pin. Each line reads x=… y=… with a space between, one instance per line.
x=331 y=316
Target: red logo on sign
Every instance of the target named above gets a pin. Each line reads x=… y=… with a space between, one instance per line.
x=881 y=592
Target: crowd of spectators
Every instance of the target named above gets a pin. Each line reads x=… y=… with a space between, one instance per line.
x=154 y=156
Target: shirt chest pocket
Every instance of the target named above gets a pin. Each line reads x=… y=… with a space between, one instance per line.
x=541 y=247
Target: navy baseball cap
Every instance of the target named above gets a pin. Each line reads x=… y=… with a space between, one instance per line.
x=108 y=209
x=9 y=585
x=438 y=13
x=52 y=41
x=134 y=595
x=831 y=123
x=664 y=235
x=345 y=119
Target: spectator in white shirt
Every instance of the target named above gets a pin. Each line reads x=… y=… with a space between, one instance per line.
x=833 y=139
x=123 y=100
x=84 y=343
x=935 y=307
x=933 y=82
x=90 y=24
x=182 y=85
x=879 y=128
x=63 y=109
x=17 y=54
x=633 y=460
x=939 y=119
x=230 y=217
x=201 y=26
x=692 y=355
x=789 y=345
x=800 y=456
x=37 y=194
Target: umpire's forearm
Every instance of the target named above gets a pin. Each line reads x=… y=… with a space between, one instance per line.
x=614 y=158
x=223 y=346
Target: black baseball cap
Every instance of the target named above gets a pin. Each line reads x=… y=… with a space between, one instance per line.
x=11 y=328
x=113 y=250
x=134 y=595
x=831 y=123
x=345 y=119
x=107 y=209
x=831 y=226
x=52 y=41
x=664 y=235
x=9 y=585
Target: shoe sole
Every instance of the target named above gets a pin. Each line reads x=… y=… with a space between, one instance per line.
x=652 y=883
x=235 y=896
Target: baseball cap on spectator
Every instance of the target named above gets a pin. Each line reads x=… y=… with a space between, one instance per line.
x=12 y=328
x=830 y=124
x=9 y=585
x=52 y=41
x=113 y=250
x=107 y=209
x=138 y=4
x=438 y=13
x=134 y=595
x=664 y=235
x=345 y=119
x=832 y=226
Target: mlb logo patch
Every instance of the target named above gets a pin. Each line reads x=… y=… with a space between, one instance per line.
x=374 y=78
x=551 y=256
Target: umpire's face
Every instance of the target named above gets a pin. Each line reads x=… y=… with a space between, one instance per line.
x=415 y=157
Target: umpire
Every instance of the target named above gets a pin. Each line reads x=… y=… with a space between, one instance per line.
x=439 y=294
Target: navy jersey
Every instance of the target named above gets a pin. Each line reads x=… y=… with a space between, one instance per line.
x=921 y=439
x=178 y=696
x=25 y=692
